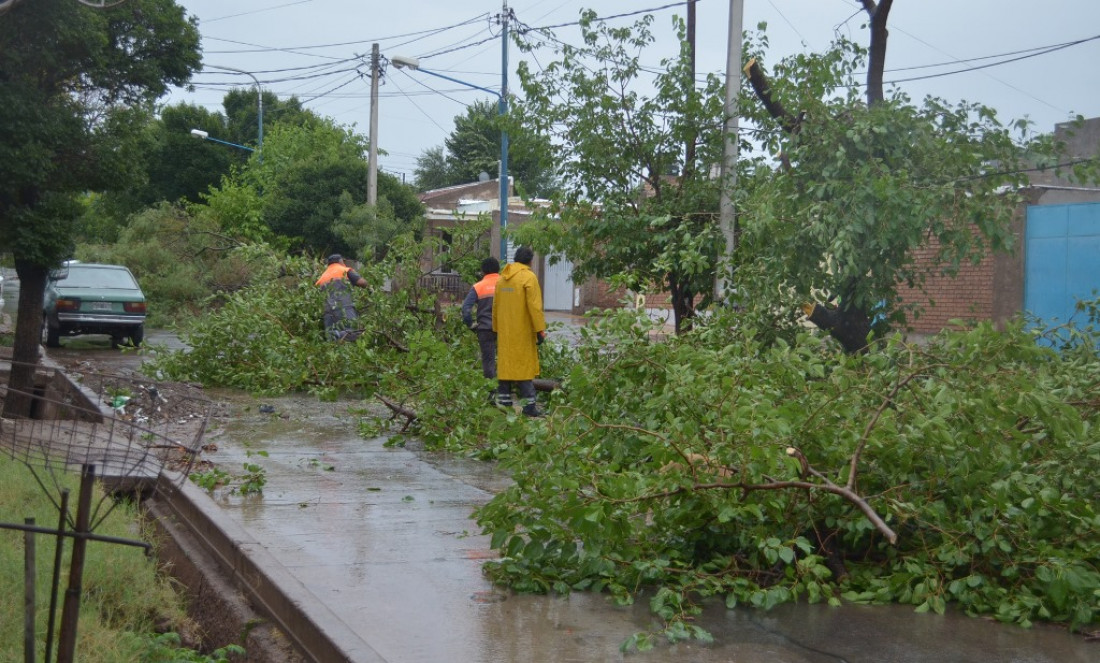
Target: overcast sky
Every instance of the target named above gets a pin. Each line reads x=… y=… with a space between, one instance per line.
x=309 y=48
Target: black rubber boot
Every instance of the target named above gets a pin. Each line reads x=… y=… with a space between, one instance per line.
x=532 y=410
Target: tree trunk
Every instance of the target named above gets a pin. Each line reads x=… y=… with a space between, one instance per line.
x=683 y=305
x=689 y=151
x=876 y=52
x=28 y=334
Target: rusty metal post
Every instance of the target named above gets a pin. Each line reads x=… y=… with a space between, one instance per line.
x=70 y=611
x=30 y=570
x=58 y=554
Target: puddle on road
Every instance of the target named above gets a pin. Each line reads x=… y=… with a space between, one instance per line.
x=382 y=537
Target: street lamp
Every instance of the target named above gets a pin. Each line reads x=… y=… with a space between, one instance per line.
x=202 y=135
x=260 y=104
x=402 y=62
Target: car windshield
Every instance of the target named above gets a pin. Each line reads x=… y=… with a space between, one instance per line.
x=94 y=277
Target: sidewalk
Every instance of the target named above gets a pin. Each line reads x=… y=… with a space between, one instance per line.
x=375 y=545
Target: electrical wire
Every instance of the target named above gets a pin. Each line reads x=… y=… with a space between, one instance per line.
x=422 y=111
x=442 y=93
x=1045 y=51
x=323 y=95
x=288 y=79
x=256 y=11
x=990 y=57
x=603 y=19
x=420 y=34
x=310 y=68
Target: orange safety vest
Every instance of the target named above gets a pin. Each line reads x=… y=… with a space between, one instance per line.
x=487 y=286
x=335 y=272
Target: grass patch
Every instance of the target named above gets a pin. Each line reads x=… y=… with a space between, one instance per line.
x=125 y=604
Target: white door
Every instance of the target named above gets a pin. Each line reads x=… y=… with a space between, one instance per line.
x=557 y=289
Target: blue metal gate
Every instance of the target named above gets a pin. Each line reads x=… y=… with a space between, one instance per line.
x=1062 y=260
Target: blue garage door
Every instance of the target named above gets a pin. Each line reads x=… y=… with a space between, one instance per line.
x=1062 y=260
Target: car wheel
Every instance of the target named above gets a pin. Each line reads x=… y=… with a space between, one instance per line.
x=137 y=335
x=51 y=336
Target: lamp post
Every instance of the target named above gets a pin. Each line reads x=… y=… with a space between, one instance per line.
x=414 y=64
x=260 y=113
x=202 y=135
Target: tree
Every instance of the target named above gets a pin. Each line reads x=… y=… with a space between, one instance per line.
x=241 y=110
x=474 y=148
x=304 y=190
x=176 y=166
x=862 y=183
x=181 y=167
x=625 y=214
x=77 y=86
x=432 y=170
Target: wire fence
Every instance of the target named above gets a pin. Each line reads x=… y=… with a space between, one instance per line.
x=128 y=427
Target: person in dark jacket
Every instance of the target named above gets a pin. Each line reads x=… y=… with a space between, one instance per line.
x=477 y=315
x=340 y=313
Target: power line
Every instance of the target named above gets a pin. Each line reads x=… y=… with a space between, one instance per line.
x=420 y=34
x=1045 y=51
x=257 y=11
x=422 y=111
x=288 y=79
x=602 y=19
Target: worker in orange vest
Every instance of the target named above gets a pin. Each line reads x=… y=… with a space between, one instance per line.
x=477 y=314
x=340 y=313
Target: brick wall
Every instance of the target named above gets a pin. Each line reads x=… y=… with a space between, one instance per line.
x=597 y=293
x=992 y=289
x=967 y=296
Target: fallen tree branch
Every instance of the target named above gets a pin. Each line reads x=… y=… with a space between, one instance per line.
x=763 y=90
x=393 y=341
x=397 y=410
x=546 y=385
x=826 y=485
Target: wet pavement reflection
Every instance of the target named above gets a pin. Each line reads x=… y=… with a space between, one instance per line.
x=382 y=536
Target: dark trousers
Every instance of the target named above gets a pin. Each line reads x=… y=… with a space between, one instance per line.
x=487 y=342
x=526 y=390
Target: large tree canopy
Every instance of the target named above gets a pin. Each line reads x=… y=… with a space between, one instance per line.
x=72 y=77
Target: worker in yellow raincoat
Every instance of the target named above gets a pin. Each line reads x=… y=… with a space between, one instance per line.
x=520 y=327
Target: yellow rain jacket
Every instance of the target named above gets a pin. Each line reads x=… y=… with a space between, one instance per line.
x=517 y=318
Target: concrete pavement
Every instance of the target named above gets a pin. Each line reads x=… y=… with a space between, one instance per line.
x=372 y=549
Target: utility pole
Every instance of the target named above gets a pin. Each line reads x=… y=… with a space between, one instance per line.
x=503 y=110
x=372 y=159
x=689 y=152
x=726 y=212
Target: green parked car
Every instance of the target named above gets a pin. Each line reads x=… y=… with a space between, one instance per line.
x=90 y=298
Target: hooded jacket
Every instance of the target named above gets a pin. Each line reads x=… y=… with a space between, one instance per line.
x=517 y=318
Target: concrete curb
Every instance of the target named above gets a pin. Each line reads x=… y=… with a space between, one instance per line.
x=185 y=511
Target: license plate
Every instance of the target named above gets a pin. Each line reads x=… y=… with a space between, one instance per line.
x=101 y=306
